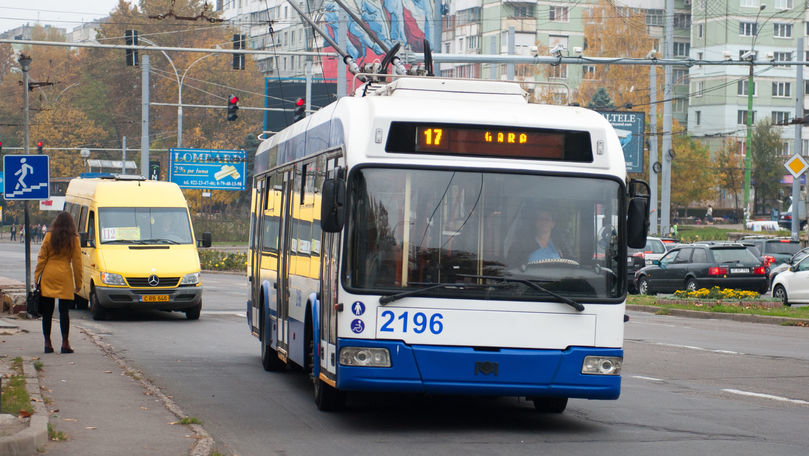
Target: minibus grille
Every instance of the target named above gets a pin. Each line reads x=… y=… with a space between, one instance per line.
x=143 y=282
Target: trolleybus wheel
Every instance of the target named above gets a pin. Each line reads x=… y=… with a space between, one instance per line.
x=269 y=357
x=327 y=398
x=550 y=404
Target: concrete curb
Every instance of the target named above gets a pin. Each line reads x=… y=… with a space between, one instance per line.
x=722 y=316
x=32 y=439
x=203 y=443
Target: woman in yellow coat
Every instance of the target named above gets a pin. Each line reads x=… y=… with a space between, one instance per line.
x=59 y=265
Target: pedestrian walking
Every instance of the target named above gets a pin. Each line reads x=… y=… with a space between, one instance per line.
x=43 y=230
x=13 y=231
x=22 y=233
x=60 y=270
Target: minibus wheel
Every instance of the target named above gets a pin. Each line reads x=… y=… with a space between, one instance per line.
x=95 y=308
x=193 y=313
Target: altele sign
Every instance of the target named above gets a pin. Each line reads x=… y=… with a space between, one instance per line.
x=630 y=127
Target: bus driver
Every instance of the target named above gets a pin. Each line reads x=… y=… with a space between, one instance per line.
x=541 y=246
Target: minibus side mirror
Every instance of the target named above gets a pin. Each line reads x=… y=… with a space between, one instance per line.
x=332 y=207
x=206 y=240
x=85 y=241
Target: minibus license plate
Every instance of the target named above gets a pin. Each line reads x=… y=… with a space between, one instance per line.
x=154 y=298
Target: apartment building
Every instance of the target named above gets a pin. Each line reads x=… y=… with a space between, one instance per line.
x=736 y=30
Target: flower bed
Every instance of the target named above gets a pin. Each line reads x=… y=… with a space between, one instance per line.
x=215 y=260
x=710 y=297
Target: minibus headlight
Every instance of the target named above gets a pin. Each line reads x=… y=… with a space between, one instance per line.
x=602 y=365
x=365 y=357
x=109 y=278
x=190 y=279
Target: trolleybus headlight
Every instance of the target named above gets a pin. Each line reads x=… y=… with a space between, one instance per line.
x=602 y=365
x=190 y=279
x=109 y=278
x=365 y=356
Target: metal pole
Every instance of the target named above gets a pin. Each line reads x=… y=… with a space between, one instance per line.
x=668 y=152
x=653 y=157
x=342 y=39
x=123 y=155
x=796 y=182
x=25 y=63
x=748 y=145
x=308 y=99
x=512 y=37
x=144 y=116
x=748 y=158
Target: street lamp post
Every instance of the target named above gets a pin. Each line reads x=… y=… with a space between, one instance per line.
x=180 y=81
x=749 y=140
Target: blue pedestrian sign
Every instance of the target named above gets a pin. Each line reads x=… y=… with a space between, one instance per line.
x=26 y=177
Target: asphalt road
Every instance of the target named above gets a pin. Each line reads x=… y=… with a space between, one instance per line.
x=690 y=387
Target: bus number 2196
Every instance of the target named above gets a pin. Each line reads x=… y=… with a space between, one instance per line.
x=418 y=324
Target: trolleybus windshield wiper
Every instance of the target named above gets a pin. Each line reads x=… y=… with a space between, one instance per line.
x=430 y=286
x=576 y=305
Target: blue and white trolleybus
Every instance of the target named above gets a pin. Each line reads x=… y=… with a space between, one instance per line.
x=444 y=236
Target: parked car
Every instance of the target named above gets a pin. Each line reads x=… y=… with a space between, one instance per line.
x=792 y=285
x=670 y=242
x=639 y=258
x=694 y=266
x=774 y=250
x=785 y=219
x=793 y=260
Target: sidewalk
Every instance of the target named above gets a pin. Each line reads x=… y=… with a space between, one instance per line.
x=102 y=406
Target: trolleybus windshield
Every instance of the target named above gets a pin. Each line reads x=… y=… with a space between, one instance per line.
x=415 y=228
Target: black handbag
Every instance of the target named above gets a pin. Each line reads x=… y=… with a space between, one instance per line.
x=32 y=302
x=32 y=305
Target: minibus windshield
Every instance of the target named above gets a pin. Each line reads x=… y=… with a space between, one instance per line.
x=144 y=225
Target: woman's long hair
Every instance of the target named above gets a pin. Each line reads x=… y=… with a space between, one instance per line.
x=63 y=233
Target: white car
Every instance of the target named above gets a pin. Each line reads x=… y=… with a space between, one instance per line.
x=792 y=286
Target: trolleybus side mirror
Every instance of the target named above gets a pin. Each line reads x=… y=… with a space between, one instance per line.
x=637 y=220
x=332 y=208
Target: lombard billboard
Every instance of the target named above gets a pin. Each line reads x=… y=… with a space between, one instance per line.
x=208 y=169
x=630 y=127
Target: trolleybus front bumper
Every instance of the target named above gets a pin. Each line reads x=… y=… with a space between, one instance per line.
x=476 y=371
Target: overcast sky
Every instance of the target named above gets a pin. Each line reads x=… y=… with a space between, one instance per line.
x=58 y=13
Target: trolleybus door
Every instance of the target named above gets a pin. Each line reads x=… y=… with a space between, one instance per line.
x=284 y=255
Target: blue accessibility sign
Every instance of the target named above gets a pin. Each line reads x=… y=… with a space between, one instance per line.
x=26 y=177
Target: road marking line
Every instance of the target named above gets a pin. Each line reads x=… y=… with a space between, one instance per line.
x=651 y=379
x=766 y=396
x=223 y=312
x=691 y=347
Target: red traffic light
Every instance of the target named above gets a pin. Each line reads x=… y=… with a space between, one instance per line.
x=300 y=102
x=39 y=144
x=234 y=99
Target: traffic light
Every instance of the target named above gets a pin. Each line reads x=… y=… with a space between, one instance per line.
x=238 y=58
x=39 y=147
x=233 y=107
x=1 y=146
x=131 y=39
x=300 y=110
